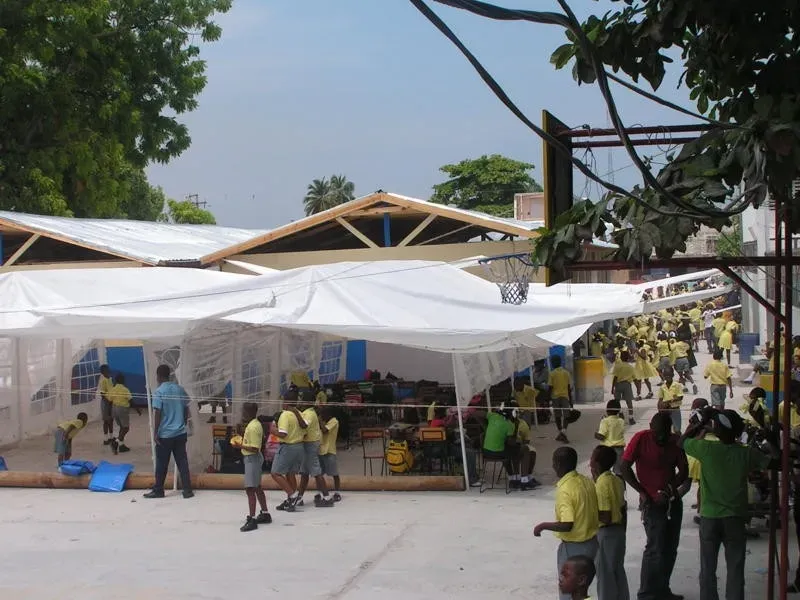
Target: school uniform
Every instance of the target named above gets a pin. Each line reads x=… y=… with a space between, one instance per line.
x=576 y=503
x=612 y=582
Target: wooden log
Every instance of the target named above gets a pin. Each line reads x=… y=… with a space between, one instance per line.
x=222 y=481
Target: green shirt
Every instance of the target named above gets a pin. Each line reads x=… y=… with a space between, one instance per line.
x=498 y=428
x=723 y=478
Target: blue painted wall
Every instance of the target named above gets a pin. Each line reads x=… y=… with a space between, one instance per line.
x=129 y=361
x=356 y=360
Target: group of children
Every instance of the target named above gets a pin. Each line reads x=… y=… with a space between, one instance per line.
x=591 y=522
x=307 y=436
x=115 y=406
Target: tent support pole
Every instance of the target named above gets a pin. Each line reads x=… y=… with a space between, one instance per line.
x=148 y=397
x=461 y=425
x=489 y=398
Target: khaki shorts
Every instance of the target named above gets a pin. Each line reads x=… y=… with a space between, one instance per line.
x=122 y=416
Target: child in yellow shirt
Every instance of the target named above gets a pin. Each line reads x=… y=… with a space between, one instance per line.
x=251 y=443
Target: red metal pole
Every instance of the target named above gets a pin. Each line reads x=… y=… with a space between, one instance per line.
x=776 y=368
x=783 y=579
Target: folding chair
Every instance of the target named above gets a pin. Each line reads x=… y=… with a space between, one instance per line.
x=433 y=441
x=373 y=447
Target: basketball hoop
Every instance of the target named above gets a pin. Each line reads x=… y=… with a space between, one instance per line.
x=512 y=273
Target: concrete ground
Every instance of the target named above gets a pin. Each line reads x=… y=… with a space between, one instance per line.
x=394 y=546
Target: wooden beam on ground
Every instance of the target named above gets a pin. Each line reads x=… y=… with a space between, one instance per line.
x=367 y=242
x=221 y=481
x=22 y=250
x=416 y=231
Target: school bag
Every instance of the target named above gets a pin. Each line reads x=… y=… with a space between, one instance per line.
x=399 y=457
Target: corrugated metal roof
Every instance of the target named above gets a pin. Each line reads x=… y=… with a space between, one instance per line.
x=526 y=225
x=153 y=243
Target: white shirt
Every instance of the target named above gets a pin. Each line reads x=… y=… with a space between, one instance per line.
x=708 y=318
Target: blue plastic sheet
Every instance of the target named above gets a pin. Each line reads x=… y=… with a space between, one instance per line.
x=76 y=467
x=109 y=477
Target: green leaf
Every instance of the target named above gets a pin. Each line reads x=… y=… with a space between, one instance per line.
x=562 y=55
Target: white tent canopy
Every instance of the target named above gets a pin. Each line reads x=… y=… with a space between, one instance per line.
x=276 y=322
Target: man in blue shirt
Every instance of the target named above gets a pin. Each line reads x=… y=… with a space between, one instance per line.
x=170 y=413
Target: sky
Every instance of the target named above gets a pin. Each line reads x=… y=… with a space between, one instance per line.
x=305 y=89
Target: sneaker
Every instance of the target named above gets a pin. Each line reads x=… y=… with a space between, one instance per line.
x=299 y=501
x=638 y=398
x=124 y=448
x=536 y=482
x=476 y=483
x=291 y=503
x=649 y=396
x=115 y=446
x=562 y=437
x=337 y=497
x=529 y=485
x=324 y=502
x=249 y=525
x=282 y=505
x=631 y=421
x=264 y=518
x=514 y=484
x=154 y=494
x=188 y=494
x=694 y=389
x=685 y=390
x=696 y=519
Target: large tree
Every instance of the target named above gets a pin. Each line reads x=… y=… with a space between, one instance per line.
x=741 y=67
x=324 y=193
x=91 y=90
x=487 y=184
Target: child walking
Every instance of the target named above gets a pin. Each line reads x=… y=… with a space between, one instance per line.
x=612 y=431
x=251 y=444
x=612 y=582
x=577 y=515
x=65 y=433
x=327 y=451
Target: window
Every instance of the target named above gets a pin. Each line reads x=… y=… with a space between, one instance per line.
x=44 y=400
x=330 y=363
x=85 y=374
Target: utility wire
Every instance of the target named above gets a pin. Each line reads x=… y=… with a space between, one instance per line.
x=570 y=22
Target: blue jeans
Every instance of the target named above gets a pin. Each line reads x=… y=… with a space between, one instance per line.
x=175 y=447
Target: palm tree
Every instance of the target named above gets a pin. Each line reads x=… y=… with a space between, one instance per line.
x=324 y=193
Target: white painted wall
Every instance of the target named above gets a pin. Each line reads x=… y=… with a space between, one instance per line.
x=409 y=363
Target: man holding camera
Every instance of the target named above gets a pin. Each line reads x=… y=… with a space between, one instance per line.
x=723 y=487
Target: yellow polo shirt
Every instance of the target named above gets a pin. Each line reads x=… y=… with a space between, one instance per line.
x=610 y=496
x=76 y=425
x=671 y=395
x=104 y=384
x=119 y=395
x=717 y=372
x=576 y=503
x=623 y=371
x=313 y=431
x=287 y=423
x=613 y=429
x=795 y=416
x=527 y=397
x=559 y=380
x=663 y=349
x=680 y=349
x=253 y=436
x=328 y=445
